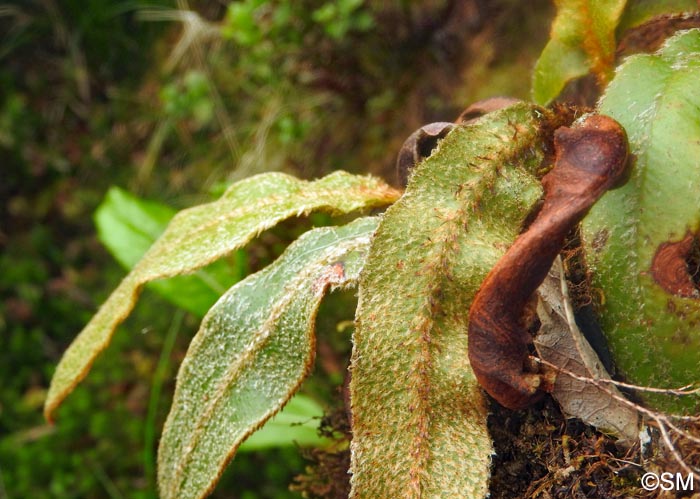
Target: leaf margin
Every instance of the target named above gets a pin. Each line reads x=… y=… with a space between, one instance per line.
x=352 y=240
x=623 y=270
x=337 y=193
x=571 y=53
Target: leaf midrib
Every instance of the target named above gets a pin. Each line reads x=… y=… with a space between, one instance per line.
x=152 y=272
x=420 y=387
x=234 y=370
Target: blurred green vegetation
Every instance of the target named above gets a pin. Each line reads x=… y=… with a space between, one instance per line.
x=172 y=101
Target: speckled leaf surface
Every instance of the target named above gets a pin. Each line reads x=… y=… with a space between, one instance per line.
x=653 y=333
x=419 y=419
x=199 y=235
x=582 y=40
x=253 y=350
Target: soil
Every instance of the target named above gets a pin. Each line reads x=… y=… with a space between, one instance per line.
x=539 y=454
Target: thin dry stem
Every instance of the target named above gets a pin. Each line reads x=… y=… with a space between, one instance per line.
x=663 y=421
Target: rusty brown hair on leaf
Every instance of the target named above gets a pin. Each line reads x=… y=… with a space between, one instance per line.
x=590 y=158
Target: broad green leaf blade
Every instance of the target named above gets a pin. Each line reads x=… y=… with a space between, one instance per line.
x=419 y=417
x=653 y=334
x=200 y=235
x=582 y=40
x=128 y=226
x=296 y=424
x=253 y=350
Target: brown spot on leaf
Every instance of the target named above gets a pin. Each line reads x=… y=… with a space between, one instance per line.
x=333 y=274
x=338 y=272
x=670 y=269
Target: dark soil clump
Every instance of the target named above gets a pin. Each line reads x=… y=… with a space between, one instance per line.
x=540 y=454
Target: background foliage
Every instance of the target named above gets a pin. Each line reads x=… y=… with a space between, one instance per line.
x=172 y=102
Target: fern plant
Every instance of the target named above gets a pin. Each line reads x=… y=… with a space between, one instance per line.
x=418 y=412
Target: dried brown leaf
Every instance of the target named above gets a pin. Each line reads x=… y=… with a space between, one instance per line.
x=560 y=342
